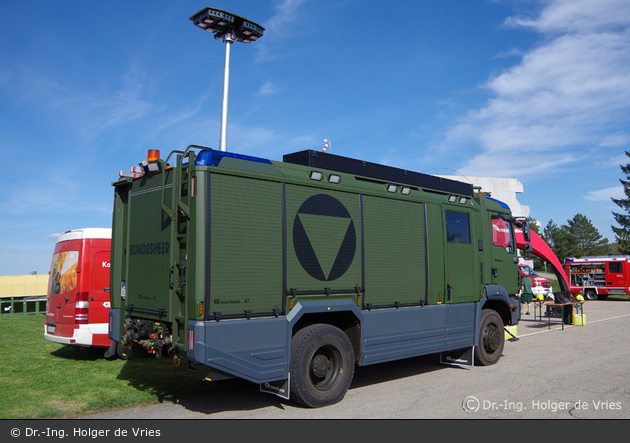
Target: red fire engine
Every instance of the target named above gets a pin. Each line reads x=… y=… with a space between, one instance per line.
x=596 y=277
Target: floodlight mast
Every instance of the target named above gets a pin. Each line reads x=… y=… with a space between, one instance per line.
x=231 y=28
x=228 y=38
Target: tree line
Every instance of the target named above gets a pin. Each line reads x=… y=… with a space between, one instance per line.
x=579 y=238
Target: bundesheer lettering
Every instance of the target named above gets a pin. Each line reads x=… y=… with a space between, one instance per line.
x=151 y=248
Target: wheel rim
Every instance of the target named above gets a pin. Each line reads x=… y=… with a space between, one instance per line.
x=491 y=338
x=325 y=367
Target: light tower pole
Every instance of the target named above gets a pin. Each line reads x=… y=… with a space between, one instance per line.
x=230 y=27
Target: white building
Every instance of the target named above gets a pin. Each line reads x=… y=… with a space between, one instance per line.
x=503 y=189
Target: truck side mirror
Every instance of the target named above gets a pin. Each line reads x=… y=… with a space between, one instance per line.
x=527 y=252
x=527 y=235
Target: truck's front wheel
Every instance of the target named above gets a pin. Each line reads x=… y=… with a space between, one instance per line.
x=491 y=338
x=322 y=365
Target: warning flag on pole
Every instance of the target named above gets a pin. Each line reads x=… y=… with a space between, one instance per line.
x=326 y=145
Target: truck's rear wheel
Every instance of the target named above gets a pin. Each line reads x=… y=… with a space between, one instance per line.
x=590 y=294
x=491 y=338
x=322 y=365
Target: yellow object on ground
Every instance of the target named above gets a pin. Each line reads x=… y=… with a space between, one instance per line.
x=579 y=319
x=512 y=330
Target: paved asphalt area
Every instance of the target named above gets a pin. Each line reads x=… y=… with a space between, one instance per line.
x=578 y=372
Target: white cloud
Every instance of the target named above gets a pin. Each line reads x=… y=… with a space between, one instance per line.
x=605 y=195
x=90 y=110
x=616 y=140
x=286 y=11
x=267 y=89
x=577 y=15
x=278 y=27
x=572 y=91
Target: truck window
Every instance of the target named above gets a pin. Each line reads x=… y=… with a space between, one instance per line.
x=457 y=227
x=614 y=268
x=63 y=272
x=502 y=234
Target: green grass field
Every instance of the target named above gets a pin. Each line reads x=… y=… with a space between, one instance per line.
x=41 y=379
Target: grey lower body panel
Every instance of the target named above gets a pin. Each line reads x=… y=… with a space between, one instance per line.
x=393 y=334
x=259 y=349
x=256 y=350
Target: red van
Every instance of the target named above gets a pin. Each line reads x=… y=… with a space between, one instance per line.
x=77 y=304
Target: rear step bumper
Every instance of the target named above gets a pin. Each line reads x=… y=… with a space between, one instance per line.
x=83 y=336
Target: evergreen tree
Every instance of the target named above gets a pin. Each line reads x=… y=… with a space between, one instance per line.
x=549 y=233
x=585 y=237
x=564 y=244
x=534 y=224
x=622 y=232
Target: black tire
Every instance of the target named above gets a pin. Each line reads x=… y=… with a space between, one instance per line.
x=322 y=365
x=491 y=338
x=590 y=294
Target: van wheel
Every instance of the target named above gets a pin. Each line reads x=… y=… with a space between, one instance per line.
x=491 y=338
x=322 y=365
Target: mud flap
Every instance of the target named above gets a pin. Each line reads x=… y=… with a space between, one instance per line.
x=280 y=388
x=111 y=351
x=459 y=357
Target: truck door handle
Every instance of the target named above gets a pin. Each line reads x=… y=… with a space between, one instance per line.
x=495 y=272
x=67 y=299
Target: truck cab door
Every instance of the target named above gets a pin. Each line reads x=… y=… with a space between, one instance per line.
x=461 y=272
x=614 y=275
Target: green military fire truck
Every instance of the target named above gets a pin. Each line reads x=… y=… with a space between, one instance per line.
x=291 y=274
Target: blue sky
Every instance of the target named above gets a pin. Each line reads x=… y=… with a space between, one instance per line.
x=527 y=89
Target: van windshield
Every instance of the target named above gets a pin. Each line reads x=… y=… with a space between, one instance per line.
x=529 y=271
x=63 y=272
